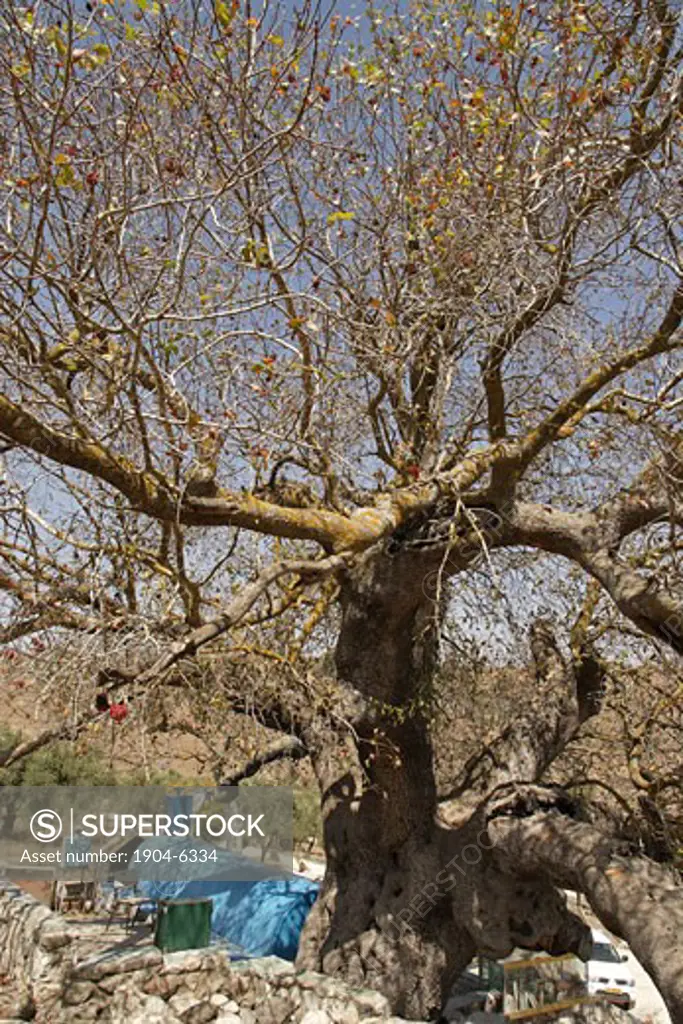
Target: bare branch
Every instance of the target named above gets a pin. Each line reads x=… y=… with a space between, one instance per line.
x=290 y=748
x=188 y=646
x=566 y=696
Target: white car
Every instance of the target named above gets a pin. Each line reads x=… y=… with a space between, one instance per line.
x=608 y=973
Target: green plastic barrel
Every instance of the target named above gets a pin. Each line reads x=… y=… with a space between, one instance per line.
x=183 y=924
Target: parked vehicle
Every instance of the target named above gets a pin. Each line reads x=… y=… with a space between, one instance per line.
x=608 y=974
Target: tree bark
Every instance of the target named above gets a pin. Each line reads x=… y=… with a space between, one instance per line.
x=379 y=803
x=406 y=902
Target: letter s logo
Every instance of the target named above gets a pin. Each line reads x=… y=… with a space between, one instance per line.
x=46 y=826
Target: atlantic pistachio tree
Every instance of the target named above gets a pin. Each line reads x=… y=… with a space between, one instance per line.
x=322 y=317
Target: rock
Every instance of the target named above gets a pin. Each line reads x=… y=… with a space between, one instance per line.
x=204 y=983
x=182 y=962
x=17 y=1005
x=222 y=1002
x=183 y=1001
x=81 y=1014
x=343 y=1012
x=371 y=1003
x=275 y=966
x=37 y=916
x=110 y=984
x=78 y=992
x=119 y=963
x=202 y=1013
x=54 y=937
x=151 y=1010
x=275 y=1010
x=214 y=961
x=386 y=1020
x=162 y=985
x=39 y=957
x=268 y=966
x=287 y=981
x=191 y=1008
x=308 y=979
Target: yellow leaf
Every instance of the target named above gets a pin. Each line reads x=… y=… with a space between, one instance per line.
x=66 y=178
x=224 y=14
x=332 y=218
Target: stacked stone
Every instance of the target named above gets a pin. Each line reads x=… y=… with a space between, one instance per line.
x=202 y=986
x=35 y=951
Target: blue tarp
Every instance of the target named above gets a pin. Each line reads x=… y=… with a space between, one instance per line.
x=263 y=917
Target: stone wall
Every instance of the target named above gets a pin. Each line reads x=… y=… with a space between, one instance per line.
x=197 y=987
x=48 y=975
x=35 y=950
x=46 y=980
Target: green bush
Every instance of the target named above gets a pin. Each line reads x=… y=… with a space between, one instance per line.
x=60 y=765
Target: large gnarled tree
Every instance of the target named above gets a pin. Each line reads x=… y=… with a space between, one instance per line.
x=401 y=296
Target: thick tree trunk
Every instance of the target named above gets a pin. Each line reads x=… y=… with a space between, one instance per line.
x=406 y=902
x=379 y=807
